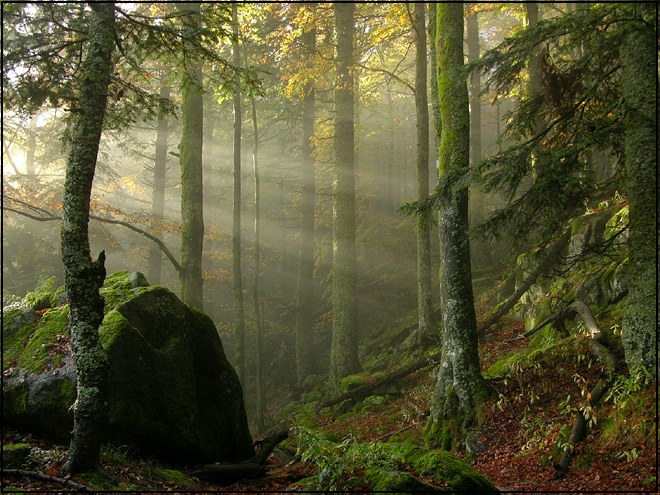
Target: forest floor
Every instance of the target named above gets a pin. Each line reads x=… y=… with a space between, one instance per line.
x=522 y=423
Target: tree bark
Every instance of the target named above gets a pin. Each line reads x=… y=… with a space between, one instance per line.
x=344 y=348
x=305 y=290
x=460 y=388
x=639 y=77
x=427 y=333
x=192 y=202
x=261 y=399
x=82 y=276
x=239 y=313
x=158 y=187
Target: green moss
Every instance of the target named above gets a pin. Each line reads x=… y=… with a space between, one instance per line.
x=122 y=286
x=501 y=367
x=18 y=324
x=45 y=348
x=397 y=482
x=351 y=382
x=445 y=467
x=44 y=296
x=172 y=476
x=14 y=455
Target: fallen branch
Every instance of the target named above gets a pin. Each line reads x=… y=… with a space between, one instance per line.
x=46 y=216
x=550 y=258
x=600 y=350
x=364 y=390
x=255 y=467
x=44 y=477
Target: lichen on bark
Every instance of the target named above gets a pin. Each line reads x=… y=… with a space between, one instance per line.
x=460 y=388
x=639 y=77
x=82 y=276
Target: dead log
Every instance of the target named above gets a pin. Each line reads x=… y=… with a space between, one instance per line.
x=363 y=391
x=607 y=357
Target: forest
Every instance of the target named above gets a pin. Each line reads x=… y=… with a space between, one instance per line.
x=316 y=246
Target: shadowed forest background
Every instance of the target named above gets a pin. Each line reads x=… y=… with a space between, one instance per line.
x=415 y=228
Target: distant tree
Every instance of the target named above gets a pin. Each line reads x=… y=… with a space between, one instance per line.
x=239 y=312
x=158 y=186
x=638 y=78
x=305 y=290
x=261 y=390
x=344 y=347
x=426 y=329
x=460 y=389
x=190 y=148
x=83 y=277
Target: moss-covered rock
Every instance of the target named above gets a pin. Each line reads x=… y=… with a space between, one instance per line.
x=47 y=295
x=397 y=482
x=444 y=467
x=172 y=391
x=15 y=455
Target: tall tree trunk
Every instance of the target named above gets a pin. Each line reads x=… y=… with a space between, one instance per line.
x=426 y=330
x=261 y=399
x=460 y=389
x=344 y=348
x=481 y=253
x=239 y=316
x=82 y=276
x=639 y=77
x=436 y=130
x=475 y=89
x=190 y=148
x=534 y=88
x=158 y=187
x=305 y=289
x=388 y=203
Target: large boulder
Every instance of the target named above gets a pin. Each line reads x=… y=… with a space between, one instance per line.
x=172 y=392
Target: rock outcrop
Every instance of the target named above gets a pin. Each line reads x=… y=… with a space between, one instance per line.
x=173 y=394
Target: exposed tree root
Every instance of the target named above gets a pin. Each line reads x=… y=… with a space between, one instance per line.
x=226 y=473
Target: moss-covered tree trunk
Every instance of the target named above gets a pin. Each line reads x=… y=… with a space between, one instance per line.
x=190 y=148
x=305 y=290
x=344 y=348
x=460 y=389
x=239 y=312
x=426 y=330
x=82 y=276
x=639 y=78
x=158 y=186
